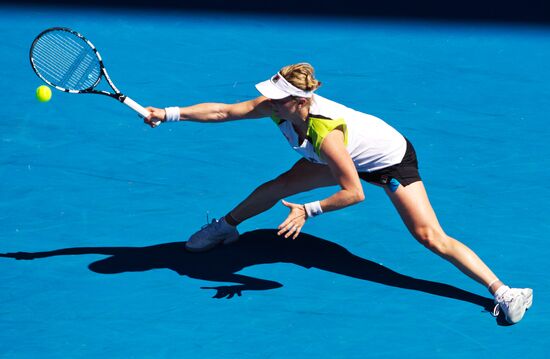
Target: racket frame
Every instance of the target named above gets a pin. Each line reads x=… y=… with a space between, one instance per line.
x=103 y=73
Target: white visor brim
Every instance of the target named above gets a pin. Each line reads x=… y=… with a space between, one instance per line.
x=277 y=87
x=268 y=89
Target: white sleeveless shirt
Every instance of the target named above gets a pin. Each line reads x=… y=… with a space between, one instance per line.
x=371 y=142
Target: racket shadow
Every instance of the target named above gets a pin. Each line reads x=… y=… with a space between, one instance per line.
x=253 y=248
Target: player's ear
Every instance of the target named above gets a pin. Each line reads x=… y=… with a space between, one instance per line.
x=302 y=101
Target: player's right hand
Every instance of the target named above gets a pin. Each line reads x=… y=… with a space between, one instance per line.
x=156 y=115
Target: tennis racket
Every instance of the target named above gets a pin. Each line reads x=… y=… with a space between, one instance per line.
x=69 y=62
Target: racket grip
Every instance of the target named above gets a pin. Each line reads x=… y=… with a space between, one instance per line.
x=138 y=108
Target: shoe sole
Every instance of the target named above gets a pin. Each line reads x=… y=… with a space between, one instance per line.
x=528 y=299
x=201 y=249
x=212 y=245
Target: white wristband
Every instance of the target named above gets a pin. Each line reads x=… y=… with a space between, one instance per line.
x=313 y=209
x=172 y=114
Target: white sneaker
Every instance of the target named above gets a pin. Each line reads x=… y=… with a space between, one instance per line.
x=513 y=302
x=211 y=235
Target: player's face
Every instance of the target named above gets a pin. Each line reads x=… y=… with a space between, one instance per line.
x=285 y=108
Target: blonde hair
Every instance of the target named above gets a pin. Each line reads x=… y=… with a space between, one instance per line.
x=301 y=75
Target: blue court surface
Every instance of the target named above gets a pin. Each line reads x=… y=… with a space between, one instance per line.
x=104 y=203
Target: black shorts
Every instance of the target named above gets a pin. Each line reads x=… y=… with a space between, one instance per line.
x=403 y=173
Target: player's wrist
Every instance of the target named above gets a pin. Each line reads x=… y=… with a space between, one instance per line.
x=172 y=114
x=313 y=209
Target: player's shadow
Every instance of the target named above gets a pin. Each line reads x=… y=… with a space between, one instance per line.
x=257 y=247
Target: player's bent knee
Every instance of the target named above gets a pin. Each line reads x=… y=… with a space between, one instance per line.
x=433 y=239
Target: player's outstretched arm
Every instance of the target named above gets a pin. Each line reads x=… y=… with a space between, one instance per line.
x=212 y=112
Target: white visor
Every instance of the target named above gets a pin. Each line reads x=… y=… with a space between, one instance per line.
x=278 y=87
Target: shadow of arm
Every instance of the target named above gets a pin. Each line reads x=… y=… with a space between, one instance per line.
x=68 y=252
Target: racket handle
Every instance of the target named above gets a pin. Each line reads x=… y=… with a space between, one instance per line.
x=138 y=108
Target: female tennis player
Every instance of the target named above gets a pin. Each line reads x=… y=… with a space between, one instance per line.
x=339 y=146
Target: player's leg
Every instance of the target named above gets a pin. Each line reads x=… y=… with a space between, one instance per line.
x=415 y=209
x=303 y=176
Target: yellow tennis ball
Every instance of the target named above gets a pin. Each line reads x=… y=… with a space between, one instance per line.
x=43 y=93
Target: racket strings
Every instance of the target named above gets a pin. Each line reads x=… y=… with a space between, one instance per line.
x=66 y=60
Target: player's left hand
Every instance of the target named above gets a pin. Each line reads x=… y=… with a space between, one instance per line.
x=227 y=291
x=294 y=222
